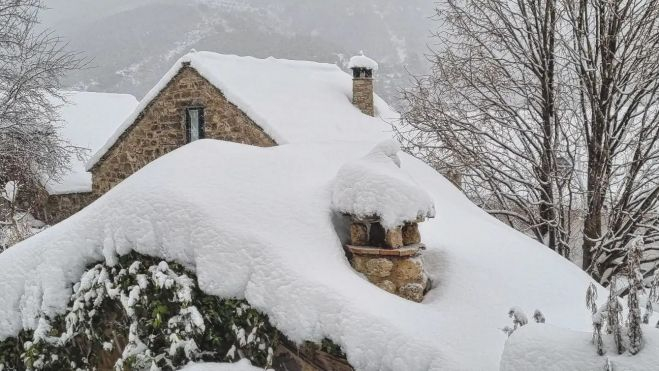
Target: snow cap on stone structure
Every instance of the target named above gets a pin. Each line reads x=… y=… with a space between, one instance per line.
x=375 y=185
x=362 y=61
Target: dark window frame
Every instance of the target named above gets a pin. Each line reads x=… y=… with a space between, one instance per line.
x=188 y=123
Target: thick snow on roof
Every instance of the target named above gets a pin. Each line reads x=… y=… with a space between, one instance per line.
x=292 y=101
x=362 y=61
x=88 y=119
x=375 y=186
x=256 y=223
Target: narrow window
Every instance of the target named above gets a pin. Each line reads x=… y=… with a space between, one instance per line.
x=194 y=123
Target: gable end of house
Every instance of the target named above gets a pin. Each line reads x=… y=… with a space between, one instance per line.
x=160 y=127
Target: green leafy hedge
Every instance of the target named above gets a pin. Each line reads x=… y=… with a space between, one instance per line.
x=142 y=313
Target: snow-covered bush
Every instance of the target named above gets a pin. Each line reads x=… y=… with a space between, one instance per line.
x=15 y=223
x=18 y=227
x=597 y=317
x=140 y=314
x=519 y=319
x=538 y=317
x=613 y=315
x=635 y=278
x=611 y=312
x=653 y=297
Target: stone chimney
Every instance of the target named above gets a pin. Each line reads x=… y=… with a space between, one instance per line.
x=362 y=82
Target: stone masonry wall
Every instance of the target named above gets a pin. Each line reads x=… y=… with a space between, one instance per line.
x=390 y=259
x=59 y=207
x=362 y=95
x=403 y=276
x=161 y=128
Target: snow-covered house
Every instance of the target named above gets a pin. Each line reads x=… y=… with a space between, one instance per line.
x=263 y=223
x=261 y=102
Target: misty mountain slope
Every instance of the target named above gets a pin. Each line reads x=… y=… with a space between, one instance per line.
x=132 y=43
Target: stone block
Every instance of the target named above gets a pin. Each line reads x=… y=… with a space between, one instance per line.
x=401 y=276
x=358 y=234
x=387 y=285
x=359 y=263
x=407 y=270
x=411 y=234
x=412 y=291
x=394 y=238
x=378 y=267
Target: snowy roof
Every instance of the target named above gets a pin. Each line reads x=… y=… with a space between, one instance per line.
x=87 y=121
x=292 y=101
x=247 y=241
x=362 y=61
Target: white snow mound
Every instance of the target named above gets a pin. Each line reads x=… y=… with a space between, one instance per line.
x=543 y=347
x=257 y=223
x=374 y=185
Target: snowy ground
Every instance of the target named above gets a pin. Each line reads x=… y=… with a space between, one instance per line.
x=257 y=223
x=550 y=348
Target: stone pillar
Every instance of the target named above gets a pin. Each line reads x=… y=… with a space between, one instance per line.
x=401 y=275
x=362 y=90
x=389 y=258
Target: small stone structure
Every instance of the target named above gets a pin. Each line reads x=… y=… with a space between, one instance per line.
x=390 y=259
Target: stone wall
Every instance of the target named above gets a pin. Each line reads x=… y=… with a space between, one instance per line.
x=389 y=258
x=403 y=276
x=160 y=128
x=59 y=207
x=362 y=95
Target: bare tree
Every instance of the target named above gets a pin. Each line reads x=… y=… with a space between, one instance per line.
x=490 y=110
x=546 y=109
x=614 y=48
x=32 y=63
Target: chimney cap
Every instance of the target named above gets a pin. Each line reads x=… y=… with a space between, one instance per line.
x=362 y=62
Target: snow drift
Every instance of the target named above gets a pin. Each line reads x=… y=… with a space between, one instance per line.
x=550 y=348
x=256 y=223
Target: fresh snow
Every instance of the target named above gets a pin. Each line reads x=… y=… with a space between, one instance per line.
x=88 y=119
x=362 y=61
x=242 y=365
x=544 y=347
x=10 y=191
x=375 y=186
x=257 y=223
x=292 y=101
